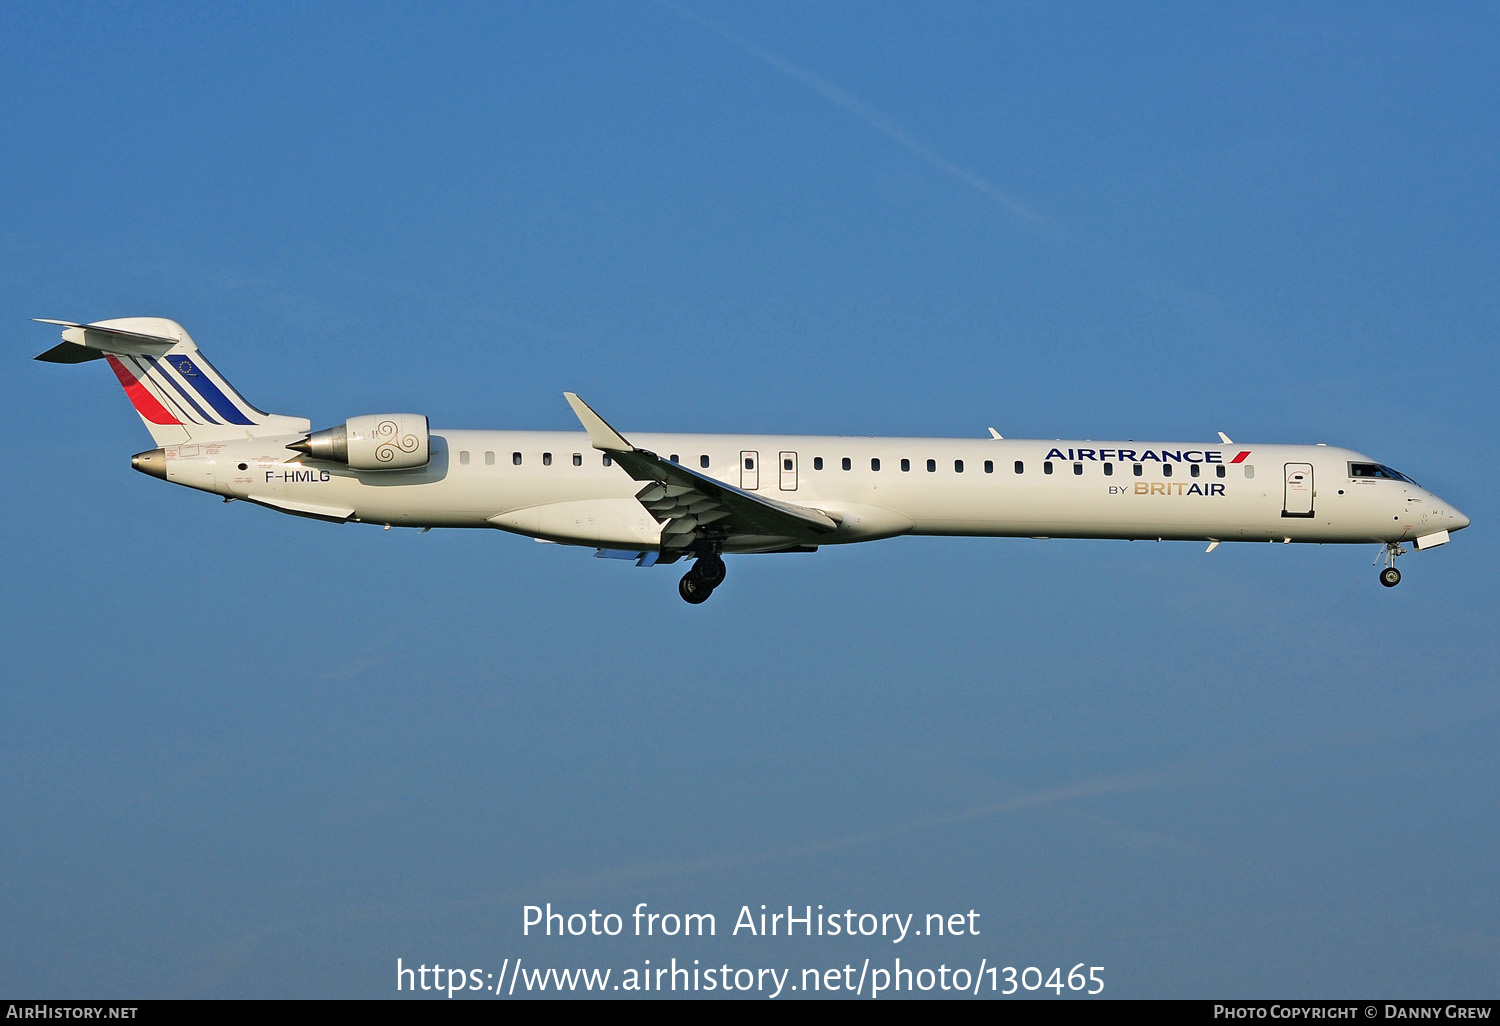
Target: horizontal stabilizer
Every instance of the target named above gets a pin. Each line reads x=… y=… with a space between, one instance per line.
x=68 y=352
x=83 y=342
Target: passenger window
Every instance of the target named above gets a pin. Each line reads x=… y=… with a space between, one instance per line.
x=607 y=461
x=703 y=462
x=1166 y=470
x=1136 y=469
x=1109 y=470
x=1020 y=467
x=675 y=459
x=463 y=457
x=489 y=459
x=546 y=459
x=1249 y=471
x=905 y=466
x=875 y=463
x=847 y=464
x=1078 y=469
x=932 y=466
x=1046 y=466
x=515 y=458
x=1219 y=470
x=817 y=463
x=958 y=466
x=578 y=459
x=989 y=466
x=1194 y=470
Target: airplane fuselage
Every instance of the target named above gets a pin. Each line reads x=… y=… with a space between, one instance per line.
x=556 y=486
x=664 y=497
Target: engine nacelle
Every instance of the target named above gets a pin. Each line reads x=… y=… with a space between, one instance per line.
x=384 y=441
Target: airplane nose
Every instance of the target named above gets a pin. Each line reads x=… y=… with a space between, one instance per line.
x=1459 y=520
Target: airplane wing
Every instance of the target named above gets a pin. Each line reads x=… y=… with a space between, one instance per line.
x=690 y=505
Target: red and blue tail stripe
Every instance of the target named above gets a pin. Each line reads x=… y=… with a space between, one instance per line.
x=181 y=389
x=145 y=403
x=178 y=393
x=195 y=371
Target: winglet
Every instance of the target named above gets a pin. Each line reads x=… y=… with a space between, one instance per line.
x=603 y=437
x=1225 y=438
x=996 y=435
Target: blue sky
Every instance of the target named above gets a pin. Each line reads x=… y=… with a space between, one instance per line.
x=250 y=755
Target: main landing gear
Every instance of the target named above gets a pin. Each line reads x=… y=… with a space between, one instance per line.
x=699 y=582
x=1390 y=576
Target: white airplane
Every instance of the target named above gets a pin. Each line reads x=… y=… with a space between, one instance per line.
x=663 y=497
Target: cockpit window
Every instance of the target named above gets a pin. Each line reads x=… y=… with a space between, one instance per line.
x=1377 y=470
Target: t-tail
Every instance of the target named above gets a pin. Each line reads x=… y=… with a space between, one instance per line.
x=178 y=393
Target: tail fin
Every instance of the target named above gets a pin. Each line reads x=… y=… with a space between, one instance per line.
x=177 y=392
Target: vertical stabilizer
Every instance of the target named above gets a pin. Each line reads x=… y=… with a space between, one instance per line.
x=180 y=396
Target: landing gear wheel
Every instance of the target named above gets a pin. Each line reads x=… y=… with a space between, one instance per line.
x=710 y=570
x=1390 y=576
x=692 y=589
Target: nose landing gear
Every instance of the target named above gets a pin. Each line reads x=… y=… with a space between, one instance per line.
x=699 y=583
x=1390 y=576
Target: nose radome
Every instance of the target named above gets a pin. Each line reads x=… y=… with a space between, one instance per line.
x=1459 y=520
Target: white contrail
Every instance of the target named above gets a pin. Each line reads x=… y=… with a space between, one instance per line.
x=877 y=120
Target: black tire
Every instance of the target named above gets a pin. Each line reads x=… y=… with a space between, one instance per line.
x=692 y=589
x=710 y=570
x=1390 y=577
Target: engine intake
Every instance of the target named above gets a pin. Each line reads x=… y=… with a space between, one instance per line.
x=384 y=441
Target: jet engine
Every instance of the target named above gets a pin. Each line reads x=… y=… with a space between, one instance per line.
x=384 y=441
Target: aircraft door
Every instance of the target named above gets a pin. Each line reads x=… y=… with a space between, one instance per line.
x=1299 y=491
x=749 y=470
x=789 y=472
